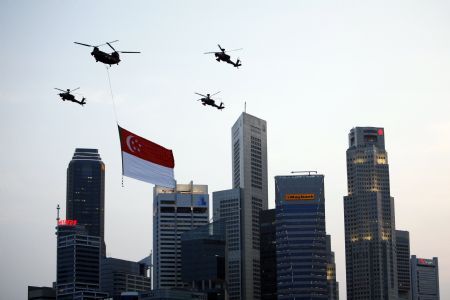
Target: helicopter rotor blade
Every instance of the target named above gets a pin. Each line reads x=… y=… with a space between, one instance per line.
x=75 y=89
x=215 y=94
x=210 y=52
x=129 y=51
x=234 y=50
x=60 y=90
x=83 y=44
x=107 y=43
x=200 y=94
x=221 y=49
x=111 y=46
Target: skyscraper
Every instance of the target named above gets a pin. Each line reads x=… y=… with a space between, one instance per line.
x=203 y=259
x=403 y=264
x=85 y=200
x=175 y=211
x=118 y=276
x=77 y=264
x=301 y=237
x=333 y=285
x=268 y=255
x=249 y=172
x=424 y=278
x=227 y=208
x=369 y=218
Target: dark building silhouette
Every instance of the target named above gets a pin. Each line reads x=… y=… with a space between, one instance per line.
x=85 y=200
x=41 y=293
x=301 y=237
x=227 y=206
x=203 y=259
x=403 y=264
x=77 y=264
x=333 y=285
x=424 y=278
x=371 y=265
x=268 y=255
x=118 y=276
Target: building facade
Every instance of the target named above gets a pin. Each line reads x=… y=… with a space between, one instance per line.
x=227 y=208
x=203 y=259
x=41 y=293
x=424 y=278
x=249 y=172
x=268 y=254
x=371 y=266
x=301 y=237
x=77 y=264
x=403 y=264
x=118 y=276
x=332 y=284
x=85 y=198
x=175 y=211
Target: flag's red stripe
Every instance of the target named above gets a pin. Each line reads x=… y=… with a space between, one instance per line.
x=145 y=149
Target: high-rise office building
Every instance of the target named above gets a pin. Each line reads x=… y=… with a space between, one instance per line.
x=118 y=276
x=175 y=211
x=227 y=208
x=85 y=200
x=369 y=218
x=203 y=259
x=333 y=285
x=77 y=264
x=249 y=172
x=424 y=278
x=403 y=264
x=301 y=237
x=268 y=255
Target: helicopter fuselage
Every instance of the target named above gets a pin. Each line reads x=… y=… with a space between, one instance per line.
x=106 y=58
x=67 y=96
x=222 y=56
x=208 y=101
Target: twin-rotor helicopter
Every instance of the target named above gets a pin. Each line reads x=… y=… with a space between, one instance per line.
x=104 y=57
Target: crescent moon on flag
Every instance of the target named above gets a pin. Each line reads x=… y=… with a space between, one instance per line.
x=128 y=140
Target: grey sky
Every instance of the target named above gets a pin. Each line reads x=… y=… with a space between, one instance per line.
x=311 y=69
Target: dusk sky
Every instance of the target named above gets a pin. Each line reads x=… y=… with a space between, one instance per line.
x=312 y=69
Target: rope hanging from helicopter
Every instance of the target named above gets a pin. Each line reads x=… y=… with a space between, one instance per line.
x=112 y=94
x=113 y=102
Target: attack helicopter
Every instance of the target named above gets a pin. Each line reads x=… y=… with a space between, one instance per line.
x=66 y=95
x=206 y=100
x=106 y=58
x=223 y=56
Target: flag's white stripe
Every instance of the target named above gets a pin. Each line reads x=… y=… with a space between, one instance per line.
x=147 y=171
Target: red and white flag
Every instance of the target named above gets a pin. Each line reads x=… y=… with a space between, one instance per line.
x=145 y=160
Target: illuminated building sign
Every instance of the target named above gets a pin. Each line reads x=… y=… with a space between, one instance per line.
x=67 y=222
x=380 y=131
x=425 y=262
x=293 y=197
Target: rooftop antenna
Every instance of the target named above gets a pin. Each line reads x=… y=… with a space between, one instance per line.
x=304 y=172
x=57 y=213
x=245 y=106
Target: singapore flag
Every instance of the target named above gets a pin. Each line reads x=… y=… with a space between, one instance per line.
x=145 y=160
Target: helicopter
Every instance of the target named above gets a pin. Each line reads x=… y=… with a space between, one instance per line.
x=66 y=95
x=222 y=56
x=206 y=100
x=106 y=58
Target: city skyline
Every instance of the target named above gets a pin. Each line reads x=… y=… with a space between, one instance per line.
x=313 y=71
